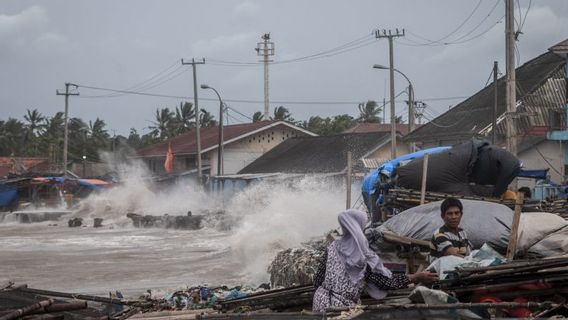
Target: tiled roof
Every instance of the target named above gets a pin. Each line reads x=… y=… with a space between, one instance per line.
x=324 y=154
x=186 y=143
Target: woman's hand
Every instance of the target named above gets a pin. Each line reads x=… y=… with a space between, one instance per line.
x=423 y=277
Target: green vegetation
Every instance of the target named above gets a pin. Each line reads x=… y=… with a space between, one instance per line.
x=39 y=135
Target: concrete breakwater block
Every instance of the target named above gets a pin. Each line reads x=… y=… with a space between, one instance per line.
x=32 y=216
x=189 y=222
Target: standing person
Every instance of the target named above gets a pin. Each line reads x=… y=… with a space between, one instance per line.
x=349 y=266
x=450 y=239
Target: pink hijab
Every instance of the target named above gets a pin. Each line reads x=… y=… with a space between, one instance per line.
x=354 y=250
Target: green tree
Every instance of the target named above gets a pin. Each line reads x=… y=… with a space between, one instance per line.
x=184 y=118
x=369 y=112
x=342 y=122
x=398 y=120
x=35 y=122
x=257 y=116
x=206 y=119
x=281 y=113
x=162 y=126
x=11 y=138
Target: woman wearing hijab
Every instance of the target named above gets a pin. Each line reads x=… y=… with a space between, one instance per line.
x=349 y=266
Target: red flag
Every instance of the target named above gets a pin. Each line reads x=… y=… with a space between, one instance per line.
x=169 y=164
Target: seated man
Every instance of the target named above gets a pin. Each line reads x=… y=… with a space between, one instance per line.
x=450 y=239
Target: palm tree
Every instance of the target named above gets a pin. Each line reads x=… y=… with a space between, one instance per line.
x=161 y=128
x=35 y=122
x=257 y=116
x=98 y=135
x=206 y=119
x=185 y=117
x=281 y=113
x=368 y=112
x=11 y=140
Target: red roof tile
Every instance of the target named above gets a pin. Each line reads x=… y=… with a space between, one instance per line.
x=186 y=143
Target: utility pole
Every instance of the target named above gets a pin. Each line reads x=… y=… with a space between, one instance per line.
x=419 y=107
x=196 y=107
x=411 y=113
x=390 y=35
x=265 y=49
x=494 y=130
x=511 y=81
x=65 y=137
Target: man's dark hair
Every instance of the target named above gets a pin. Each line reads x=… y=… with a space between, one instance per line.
x=527 y=191
x=450 y=202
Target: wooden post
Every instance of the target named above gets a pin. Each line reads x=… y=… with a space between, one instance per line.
x=512 y=247
x=348 y=181
x=424 y=177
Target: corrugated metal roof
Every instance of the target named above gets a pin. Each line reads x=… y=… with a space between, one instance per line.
x=326 y=154
x=539 y=90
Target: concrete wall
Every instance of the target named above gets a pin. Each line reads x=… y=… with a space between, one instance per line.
x=239 y=154
x=551 y=156
x=384 y=153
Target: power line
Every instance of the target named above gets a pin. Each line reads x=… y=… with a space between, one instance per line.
x=346 y=47
x=454 y=31
x=253 y=101
x=458 y=40
x=143 y=83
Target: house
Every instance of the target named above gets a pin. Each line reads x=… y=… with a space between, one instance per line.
x=366 y=127
x=243 y=143
x=541 y=92
x=322 y=154
x=22 y=165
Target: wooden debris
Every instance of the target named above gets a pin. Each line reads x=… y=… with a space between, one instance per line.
x=26 y=310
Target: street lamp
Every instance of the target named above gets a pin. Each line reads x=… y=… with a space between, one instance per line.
x=220 y=152
x=84 y=169
x=410 y=104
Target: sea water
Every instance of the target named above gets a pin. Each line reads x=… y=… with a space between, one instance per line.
x=266 y=217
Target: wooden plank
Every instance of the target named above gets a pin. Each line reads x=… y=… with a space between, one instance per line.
x=424 y=178
x=512 y=247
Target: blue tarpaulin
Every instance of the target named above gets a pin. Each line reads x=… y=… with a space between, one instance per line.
x=386 y=168
x=8 y=194
x=536 y=174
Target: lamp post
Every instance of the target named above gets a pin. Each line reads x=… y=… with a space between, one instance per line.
x=84 y=168
x=410 y=105
x=220 y=151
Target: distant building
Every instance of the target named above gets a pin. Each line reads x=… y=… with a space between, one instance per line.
x=323 y=154
x=22 y=165
x=541 y=98
x=365 y=127
x=243 y=143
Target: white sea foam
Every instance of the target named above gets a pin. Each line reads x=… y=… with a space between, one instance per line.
x=275 y=216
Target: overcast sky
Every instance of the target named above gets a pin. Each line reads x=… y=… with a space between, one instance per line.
x=120 y=44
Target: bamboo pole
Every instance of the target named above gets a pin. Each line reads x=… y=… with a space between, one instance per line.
x=512 y=247
x=424 y=177
x=348 y=180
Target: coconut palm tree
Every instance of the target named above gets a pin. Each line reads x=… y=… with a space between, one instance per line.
x=369 y=112
x=281 y=113
x=206 y=119
x=161 y=128
x=184 y=118
x=35 y=122
x=257 y=116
